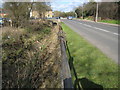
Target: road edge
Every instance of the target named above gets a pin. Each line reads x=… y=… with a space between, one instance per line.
x=98 y=22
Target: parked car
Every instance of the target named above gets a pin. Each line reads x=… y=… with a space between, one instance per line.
x=1 y=21
x=57 y=17
x=5 y=21
x=70 y=17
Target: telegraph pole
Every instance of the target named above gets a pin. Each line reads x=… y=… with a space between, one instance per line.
x=82 y=10
x=96 y=19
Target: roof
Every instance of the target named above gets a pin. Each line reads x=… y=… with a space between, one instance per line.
x=3 y=11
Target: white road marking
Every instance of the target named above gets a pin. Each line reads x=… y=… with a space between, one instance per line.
x=116 y=33
x=87 y=25
x=100 y=29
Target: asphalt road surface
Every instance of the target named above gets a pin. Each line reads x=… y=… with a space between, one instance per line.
x=103 y=36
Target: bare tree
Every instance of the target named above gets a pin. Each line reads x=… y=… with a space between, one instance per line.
x=18 y=12
x=42 y=7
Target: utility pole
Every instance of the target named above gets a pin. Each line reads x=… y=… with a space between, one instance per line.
x=82 y=10
x=96 y=19
x=31 y=8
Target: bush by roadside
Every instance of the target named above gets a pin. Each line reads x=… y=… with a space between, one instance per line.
x=111 y=21
x=104 y=20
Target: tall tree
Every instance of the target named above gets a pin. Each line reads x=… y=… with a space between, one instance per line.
x=79 y=11
x=108 y=10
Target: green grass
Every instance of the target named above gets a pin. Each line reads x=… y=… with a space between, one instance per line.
x=111 y=21
x=90 y=62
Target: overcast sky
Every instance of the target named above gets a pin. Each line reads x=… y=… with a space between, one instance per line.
x=1 y=3
x=66 y=5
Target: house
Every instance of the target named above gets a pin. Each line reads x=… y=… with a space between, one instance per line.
x=34 y=14
x=47 y=14
x=3 y=13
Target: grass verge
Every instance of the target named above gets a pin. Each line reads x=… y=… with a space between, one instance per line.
x=111 y=21
x=90 y=62
x=104 y=21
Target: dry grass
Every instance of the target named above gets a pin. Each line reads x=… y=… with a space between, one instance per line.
x=31 y=58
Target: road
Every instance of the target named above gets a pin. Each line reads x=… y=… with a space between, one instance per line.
x=103 y=36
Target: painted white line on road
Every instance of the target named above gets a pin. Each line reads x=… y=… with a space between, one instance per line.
x=101 y=29
x=87 y=25
x=96 y=28
x=116 y=33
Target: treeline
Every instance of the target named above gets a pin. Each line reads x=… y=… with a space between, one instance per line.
x=106 y=10
x=63 y=14
x=19 y=12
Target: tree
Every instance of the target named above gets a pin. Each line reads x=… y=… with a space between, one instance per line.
x=63 y=14
x=57 y=13
x=79 y=12
x=90 y=9
x=18 y=12
x=108 y=10
x=87 y=8
x=42 y=7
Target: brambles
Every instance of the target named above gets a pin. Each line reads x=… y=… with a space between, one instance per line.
x=25 y=53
